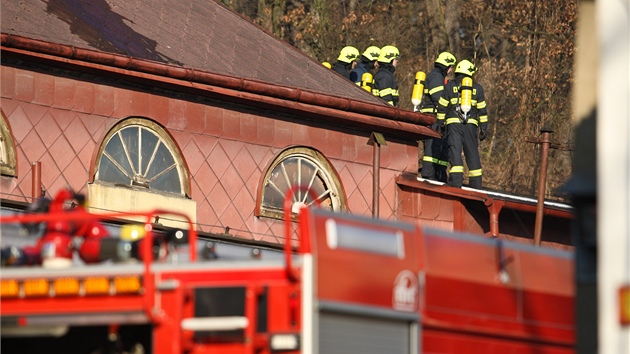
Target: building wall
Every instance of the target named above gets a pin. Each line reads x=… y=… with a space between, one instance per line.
x=60 y=120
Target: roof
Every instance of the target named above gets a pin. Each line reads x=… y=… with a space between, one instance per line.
x=523 y=203
x=197 y=34
x=192 y=42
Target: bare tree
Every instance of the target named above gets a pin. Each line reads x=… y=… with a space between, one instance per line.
x=523 y=49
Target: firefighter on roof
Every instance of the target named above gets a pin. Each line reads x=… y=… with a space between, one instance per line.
x=385 y=85
x=462 y=114
x=435 y=159
x=346 y=61
x=366 y=64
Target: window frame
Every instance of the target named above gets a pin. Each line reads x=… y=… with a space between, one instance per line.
x=9 y=166
x=164 y=137
x=331 y=180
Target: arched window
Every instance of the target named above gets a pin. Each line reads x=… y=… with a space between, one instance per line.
x=139 y=167
x=8 y=160
x=139 y=152
x=300 y=166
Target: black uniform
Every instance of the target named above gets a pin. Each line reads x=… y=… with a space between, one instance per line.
x=357 y=73
x=462 y=133
x=342 y=68
x=385 y=85
x=435 y=159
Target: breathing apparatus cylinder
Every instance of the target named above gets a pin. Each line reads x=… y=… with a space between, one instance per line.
x=466 y=95
x=418 y=89
x=366 y=81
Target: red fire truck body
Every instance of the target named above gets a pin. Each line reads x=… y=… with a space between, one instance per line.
x=448 y=293
x=353 y=285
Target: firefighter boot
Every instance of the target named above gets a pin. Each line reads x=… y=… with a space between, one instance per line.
x=474 y=182
x=456 y=179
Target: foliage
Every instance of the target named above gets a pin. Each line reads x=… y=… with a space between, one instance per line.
x=523 y=49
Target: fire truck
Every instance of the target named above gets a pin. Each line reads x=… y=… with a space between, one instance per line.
x=343 y=284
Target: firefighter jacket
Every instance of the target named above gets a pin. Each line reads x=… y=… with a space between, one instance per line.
x=448 y=109
x=385 y=85
x=357 y=73
x=342 y=68
x=433 y=89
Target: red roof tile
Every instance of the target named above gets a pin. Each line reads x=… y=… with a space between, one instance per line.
x=198 y=34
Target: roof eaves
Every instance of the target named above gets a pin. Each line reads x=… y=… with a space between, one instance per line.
x=411 y=124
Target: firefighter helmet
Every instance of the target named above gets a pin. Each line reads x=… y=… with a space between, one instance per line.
x=447 y=59
x=388 y=54
x=465 y=67
x=372 y=53
x=348 y=54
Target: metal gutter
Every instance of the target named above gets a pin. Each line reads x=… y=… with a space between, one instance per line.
x=508 y=201
x=493 y=201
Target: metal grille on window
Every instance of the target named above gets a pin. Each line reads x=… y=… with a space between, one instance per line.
x=137 y=156
x=305 y=167
x=8 y=159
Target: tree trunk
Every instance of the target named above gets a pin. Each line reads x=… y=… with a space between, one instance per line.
x=444 y=18
x=352 y=5
x=435 y=9
x=270 y=13
x=451 y=23
x=279 y=10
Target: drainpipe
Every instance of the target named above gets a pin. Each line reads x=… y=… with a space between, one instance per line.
x=376 y=181
x=494 y=208
x=376 y=140
x=542 y=180
x=36 y=180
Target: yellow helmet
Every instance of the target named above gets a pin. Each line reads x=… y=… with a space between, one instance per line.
x=327 y=64
x=388 y=54
x=372 y=53
x=348 y=54
x=447 y=59
x=465 y=67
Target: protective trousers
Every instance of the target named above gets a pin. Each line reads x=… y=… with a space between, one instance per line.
x=463 y=136
x=435 y=159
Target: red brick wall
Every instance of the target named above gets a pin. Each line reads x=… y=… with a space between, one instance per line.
x=60 y=122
